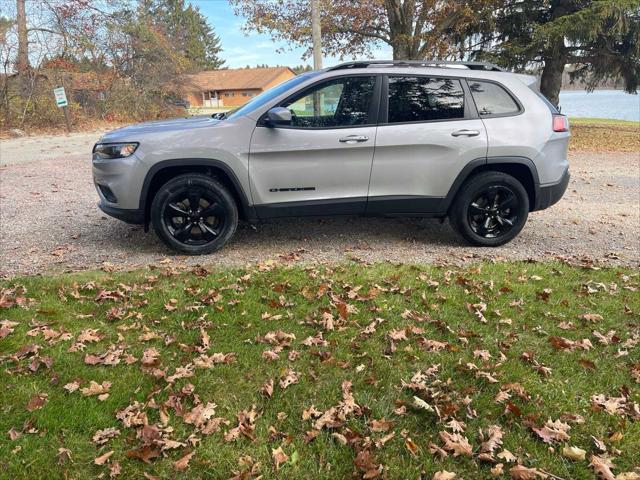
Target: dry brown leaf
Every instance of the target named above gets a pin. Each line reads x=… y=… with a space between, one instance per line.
x=183 y=463
x=520 y=472
x=37 y=402
x=279 y=457
x=456 y=443
x=95 y=388
x=102 y=459
x=573 y=453
x=444 y=475
x=602 y=466
x=64 y=456
x=381 y=425
x=290 y=377
x=267 y=388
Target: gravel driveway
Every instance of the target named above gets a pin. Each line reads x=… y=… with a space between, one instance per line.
x=49 y=221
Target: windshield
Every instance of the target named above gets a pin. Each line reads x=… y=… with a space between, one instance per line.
x=269 y=95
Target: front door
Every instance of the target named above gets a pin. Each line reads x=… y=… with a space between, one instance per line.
x=320 y=163
x=427 y=135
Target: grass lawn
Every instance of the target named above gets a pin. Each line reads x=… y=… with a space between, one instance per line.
x=312 y=372
x=604 y=135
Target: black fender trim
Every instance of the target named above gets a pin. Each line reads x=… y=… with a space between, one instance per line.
x=247 y=209
x=549 y=194
x=134 y=217
x=313 y=208
x=467 y=171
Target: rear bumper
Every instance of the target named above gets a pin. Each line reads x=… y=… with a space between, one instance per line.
x=549 y=194
x=134 y=216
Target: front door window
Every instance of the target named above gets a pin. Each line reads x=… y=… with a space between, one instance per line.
x=340 y=102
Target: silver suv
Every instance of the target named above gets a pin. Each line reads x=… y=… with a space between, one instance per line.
x=462 y=140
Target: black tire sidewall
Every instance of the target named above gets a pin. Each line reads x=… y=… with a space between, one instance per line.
x=458 y=214
x=187 y=181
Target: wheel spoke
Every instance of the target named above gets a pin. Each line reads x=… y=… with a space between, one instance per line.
x=176 y=210
x=475 y=209
x=505 y=221
x=509 y=201
x=194 y=201
x=213 y=210
x=206 y=230
x=183 y=233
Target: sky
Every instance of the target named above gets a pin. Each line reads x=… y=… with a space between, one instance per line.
x=240 y=49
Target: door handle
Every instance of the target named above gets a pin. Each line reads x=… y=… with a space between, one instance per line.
x=465 y=133
x=354 y=139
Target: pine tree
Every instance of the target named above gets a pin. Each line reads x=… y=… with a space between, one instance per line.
x=189 y=32
x=601 y=38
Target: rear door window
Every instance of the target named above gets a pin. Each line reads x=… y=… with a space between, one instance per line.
x=492 y=99
x=422 y=99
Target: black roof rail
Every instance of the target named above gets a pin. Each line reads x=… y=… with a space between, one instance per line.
x=417 y=63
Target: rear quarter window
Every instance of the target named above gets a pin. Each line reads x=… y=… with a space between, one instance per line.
x=492 y=99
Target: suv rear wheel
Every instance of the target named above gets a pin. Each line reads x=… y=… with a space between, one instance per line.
x=194 y=214
x=490 y=209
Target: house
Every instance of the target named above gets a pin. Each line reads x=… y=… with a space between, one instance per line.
x=233 y=87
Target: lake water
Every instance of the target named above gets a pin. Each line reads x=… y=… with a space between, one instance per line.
x=601 y=104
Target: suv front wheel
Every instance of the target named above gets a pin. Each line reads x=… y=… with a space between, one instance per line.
x=490 y=209
x=194 y=214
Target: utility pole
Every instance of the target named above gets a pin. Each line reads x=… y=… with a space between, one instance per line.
x=316 y=34
x=22 y=60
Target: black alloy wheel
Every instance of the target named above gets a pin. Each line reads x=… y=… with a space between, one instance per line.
x=490 y=209
x=194 y=217
x=493 y=212
x=194 y=214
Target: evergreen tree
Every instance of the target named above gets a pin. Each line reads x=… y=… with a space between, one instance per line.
x=188 y=30
x=601 y=38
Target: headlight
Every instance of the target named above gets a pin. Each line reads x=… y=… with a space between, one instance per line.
x=104 y=151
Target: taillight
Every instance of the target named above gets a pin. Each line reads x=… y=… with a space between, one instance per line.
x=560 y=123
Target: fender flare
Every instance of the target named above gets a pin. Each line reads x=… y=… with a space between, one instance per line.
x=470 y=167
x=245 y=205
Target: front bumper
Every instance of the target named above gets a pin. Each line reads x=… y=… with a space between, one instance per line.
x=133 y=216
x=550 y=194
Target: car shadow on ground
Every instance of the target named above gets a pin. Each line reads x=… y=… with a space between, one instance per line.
x=281 y=235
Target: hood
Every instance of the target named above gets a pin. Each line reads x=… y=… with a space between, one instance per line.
x=133 y=132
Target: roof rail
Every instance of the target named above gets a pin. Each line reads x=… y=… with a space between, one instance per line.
x=417 y=63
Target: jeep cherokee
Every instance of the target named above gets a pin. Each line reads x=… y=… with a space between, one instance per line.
x=462 y=140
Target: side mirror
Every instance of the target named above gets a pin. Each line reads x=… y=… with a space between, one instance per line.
x=279 y=116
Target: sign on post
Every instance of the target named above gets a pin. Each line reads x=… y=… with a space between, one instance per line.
x=61 y=97
x=61 y=102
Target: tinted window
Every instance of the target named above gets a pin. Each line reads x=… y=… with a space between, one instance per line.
x=270 y=94
x=417 y=99
x=492 y=99
x=339 y=102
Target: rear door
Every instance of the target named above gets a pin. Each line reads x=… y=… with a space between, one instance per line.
x=428 y=132
x=320 y=164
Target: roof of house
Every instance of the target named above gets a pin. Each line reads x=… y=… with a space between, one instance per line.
x=236 y=79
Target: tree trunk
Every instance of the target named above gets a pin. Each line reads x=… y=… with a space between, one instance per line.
x=401 y=17
x=551 y=80
x=22 y=60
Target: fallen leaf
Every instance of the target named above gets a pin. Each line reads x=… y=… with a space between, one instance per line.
x=37 y=402
x=573 y=453
x=183 y=463
x=102 y=459
x=279 y=457
x=444 y=475
x=602 y=466
x=520 y=472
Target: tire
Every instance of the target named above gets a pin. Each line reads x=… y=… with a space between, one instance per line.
x=490 y=209
x=190 y=230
